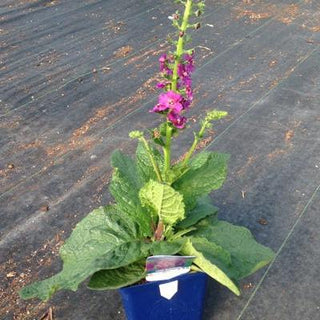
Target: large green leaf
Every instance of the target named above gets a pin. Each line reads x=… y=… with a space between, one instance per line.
x=105 y=239
x=164 y=201
x=125 y=186
x=247 y=255
x=117 y=278
x=124 y=276
x=212 y=259
x=207 y=172
x=203 y=209
x=144 y=164
x=168 y=247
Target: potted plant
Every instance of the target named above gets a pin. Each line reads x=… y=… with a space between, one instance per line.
x=161 y=207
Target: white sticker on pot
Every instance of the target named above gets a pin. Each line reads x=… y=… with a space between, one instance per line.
x=164 y=267
x=168 y=290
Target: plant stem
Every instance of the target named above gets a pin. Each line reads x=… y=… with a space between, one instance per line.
x=167 y=150
x=153 y=161
x=196 y=140
x=178 y=54
x=180 y=44
x=158 y=234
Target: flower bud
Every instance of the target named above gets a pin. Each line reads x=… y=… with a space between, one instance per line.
x=135 y=134
x=175 y=16
x=197 y=25
x=215 y=115
x=156 y=133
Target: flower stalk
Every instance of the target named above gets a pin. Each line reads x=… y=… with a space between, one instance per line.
x=197 y=137
x=180 y=44
x=174 y=83
x=206 y=124
x=167 y=150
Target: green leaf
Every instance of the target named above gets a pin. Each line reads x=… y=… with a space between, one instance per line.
x=125 y=186
x=159 y=141
x=168 y=247
x=211 y=259
x=226 y=252
x=105 y=239
x=126 y=165
x=124 y=276
x=117 y=278
x=163 y=201
x=144 y=165
x=176 y=172
x=207 y=172
x=247 y=255
x=203 y=209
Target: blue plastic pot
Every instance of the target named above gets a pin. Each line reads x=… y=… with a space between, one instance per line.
x=145 y=301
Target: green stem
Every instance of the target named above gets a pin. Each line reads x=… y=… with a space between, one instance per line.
x=153 y=161
x=167 y=150
x=178 y=54
x=196 y=140
x=180 y=44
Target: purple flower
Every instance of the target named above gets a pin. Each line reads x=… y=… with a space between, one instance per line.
x=159 y=108
x=171 y=100
x=164 y=61
x=185 y=103
x=163 y=84
x=182 y=72
x=189 y=62
x=177 y=120
x=172 y=103
x=184 y=75
x=189 y=93
x=160 y=85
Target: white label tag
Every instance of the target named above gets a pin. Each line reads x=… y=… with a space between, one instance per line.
x=168 y=290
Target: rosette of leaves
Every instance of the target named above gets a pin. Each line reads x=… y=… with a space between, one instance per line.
x=152 y=217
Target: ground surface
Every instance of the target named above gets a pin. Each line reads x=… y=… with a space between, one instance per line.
x=77 y=76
